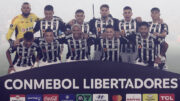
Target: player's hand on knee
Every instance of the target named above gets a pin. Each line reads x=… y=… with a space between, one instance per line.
x=158 y=60
x=11 y=69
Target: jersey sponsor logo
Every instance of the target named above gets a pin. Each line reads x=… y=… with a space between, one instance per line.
x=133 y=97
x=116 y=98
x=150 y=97
x=50 y=97
x=69 y=97
x=26 y=29
x=83 y=97
x=166 y=97
x=100 y=97
x=17 y=97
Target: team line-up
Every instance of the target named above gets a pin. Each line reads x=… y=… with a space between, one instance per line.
x=101 y=39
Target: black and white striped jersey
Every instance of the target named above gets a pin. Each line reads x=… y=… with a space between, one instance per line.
x=110 y=48
x=56 y=24
x=130 y=28
x=24 y=56
x=78 y=49
x=49 y=52
x=158 y=28
x=148 y=49
x=85 y=27
x=98 y=26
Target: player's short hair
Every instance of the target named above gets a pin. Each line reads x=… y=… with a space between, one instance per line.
x=127 y=8
x=75 y=25
x=26 y=3
x=79 y=11
x=49 y=30
x=155 y=9
x=143 y=24
x=104 y=6
x=48 y=8
x=109 y=26
x=28 y=36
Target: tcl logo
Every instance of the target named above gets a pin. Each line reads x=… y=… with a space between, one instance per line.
x=166 y=97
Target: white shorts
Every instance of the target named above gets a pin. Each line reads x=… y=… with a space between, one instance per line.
x=42 y=63
x=19 y=69
x=140 y=63
x=69 y=60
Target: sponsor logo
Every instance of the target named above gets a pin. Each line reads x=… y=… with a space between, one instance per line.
x=17 y=97
x=166 y=97
x=100 y=97
x=150 y=97
x=83 y=97
x=133 y=97
x=50 y=97
x=69 y=97
x=116 y=98
x=33 y=97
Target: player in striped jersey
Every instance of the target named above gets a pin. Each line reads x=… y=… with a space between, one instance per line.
x=128 y=29
x=53 y=22
x=50 y=49
x=25 y=54
x=78 y=45
x=159 y=30
x=79 y=19
x=97 y=26
x=148 y=48
x=110 y=45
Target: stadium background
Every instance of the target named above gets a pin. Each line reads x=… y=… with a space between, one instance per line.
x=65 y=10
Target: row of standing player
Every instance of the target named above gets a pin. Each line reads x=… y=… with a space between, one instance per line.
x=106 y=50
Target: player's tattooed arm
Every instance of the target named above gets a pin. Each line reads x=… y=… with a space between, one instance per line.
x=37 y=27
x=164 y=30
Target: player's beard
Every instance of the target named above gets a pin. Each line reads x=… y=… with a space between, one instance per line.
x=25 y=14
